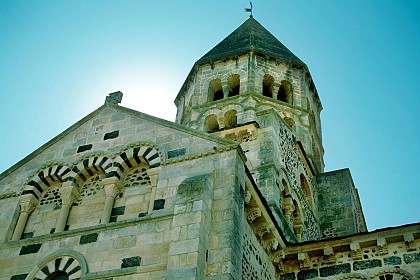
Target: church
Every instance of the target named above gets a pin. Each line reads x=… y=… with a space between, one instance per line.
x=235 y=188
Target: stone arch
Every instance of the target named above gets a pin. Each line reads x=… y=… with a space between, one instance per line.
x=306 y=190
x=91 y=165
x=285 y=92
x=211 y=123
x=234 y=85
x=68 y=262
x=392 y=274
x=354 y=276
x=267 y=86
x=142 y=153
x=46 y=177
x=42 y=190
x=215 y=90
x=231 y=118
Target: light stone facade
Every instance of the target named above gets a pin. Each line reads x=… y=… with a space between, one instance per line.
x=234 y=189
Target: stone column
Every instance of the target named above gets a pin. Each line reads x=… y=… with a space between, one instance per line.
x=225 y=88
x=112 y=187
x=69 y=194
x=288 y=209
x=153 y=175
x=27 y=204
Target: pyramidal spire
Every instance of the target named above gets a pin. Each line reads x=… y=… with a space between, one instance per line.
x=251 y=36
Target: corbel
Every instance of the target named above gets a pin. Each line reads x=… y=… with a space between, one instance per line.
x=382 y=246
x=356 y=251
x=304 y=260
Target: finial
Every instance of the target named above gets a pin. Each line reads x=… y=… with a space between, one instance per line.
x=114 y=98
x=249 y=10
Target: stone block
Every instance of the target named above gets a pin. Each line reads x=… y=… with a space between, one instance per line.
x=335 y=270
x=184 y=246
x=369 y=264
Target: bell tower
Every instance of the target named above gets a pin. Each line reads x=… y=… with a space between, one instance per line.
x=251 y=89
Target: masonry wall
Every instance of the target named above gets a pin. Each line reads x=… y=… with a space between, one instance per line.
x=339 y=205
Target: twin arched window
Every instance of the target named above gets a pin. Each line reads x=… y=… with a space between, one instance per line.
x=211 y=122
x=284 y=92
x=216 y=90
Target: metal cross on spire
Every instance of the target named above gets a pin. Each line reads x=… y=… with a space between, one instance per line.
x=249 y=10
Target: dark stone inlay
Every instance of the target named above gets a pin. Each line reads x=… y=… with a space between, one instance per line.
x=155 y=165
x=36 y=185
x=153 y=157
x=103 y=160
x=19 y=277
x=130 y=262
x=113 y=219
x=111 y=135
x=68 y=263
x=30 y=192
x=360 y=265
x=84 y=148
x=126 y=160
x=57 y=263
x=67 y=227
x=411 y=258
x=307 y=274
x=177 y=153
x=88 y=238
x=288 y=276
x=30 y=249
x=74 y=270
x=148 y=150
x=335 y=270
x=45 y=270
x=112 y=174
x=52 y=230
x=27 y=235
x=142 y=214
x=394 y=260
x=116 y=211
x=136 y=155
x=159 y=204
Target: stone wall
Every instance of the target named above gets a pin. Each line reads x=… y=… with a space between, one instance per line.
x=339 y=205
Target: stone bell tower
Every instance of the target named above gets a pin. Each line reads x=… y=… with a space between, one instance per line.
x=250 y=88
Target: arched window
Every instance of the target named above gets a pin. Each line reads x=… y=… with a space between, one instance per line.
x=211 y=123
x=233 y=83
x=230 y=118
x=215 y=90
x=268 y=86
x=285 y=92
x=306 y=190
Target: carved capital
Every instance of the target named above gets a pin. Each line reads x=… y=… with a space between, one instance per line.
x=153 y=175
x=27 y=203
x=112 y=187
x=69 y=193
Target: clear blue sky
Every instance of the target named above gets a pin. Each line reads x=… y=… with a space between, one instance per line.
x=59 y=59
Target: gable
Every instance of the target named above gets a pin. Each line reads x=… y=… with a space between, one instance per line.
x=108 y=134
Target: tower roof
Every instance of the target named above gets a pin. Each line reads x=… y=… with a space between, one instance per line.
x=251 y=36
